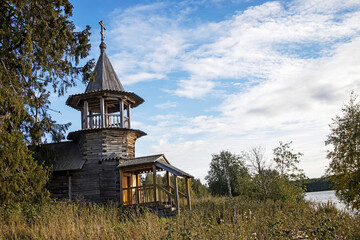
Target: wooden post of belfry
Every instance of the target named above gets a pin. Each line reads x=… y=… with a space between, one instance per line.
x=154 y=176
x=176 y=195
x=86 y=111
x=121 y=187
x=83 y=118
x=187 y=183
x=102 y=112
x=91 y=122
x=121 y=109
x=129 y=114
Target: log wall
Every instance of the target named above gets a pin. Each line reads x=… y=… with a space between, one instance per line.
x=98 y=180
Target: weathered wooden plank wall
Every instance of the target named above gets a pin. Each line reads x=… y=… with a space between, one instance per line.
x=98 y=180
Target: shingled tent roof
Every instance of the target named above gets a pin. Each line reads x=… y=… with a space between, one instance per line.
x=106 y=83
x=106 y=77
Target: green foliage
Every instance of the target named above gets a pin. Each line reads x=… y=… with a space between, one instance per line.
x=286 y=161
x=228 y=175
x=22 y=179
x=270 y=185
x=288 y=183
x=198 y=189
x=39 y=53
x=345 y=154
x=265 y=183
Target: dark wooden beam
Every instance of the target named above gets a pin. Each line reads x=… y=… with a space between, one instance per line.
x=121 y=187
x=69 y=184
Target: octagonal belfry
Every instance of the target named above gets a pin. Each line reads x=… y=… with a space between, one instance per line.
x=106 y=111
x=105 y=103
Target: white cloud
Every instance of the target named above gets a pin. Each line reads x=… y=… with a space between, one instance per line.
x=194 y=88
x=296 y=61
x=141 y=77
x=166 y=105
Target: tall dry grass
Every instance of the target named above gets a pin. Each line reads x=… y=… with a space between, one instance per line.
x=211 y=218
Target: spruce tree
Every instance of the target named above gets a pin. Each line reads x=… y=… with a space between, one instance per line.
x=40 y=52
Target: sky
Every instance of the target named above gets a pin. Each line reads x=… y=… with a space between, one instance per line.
x=228 y=75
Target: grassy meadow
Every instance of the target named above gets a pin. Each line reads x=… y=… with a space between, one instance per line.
x=211 y=218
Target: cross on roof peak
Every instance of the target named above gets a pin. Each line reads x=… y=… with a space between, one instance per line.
x=102 y=31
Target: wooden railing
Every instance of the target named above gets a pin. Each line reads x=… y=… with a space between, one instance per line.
x=93 y=121
x=110 y=120
x=182 y=198
x=145 y=195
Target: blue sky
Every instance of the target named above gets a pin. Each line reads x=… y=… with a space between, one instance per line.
x=228 y=75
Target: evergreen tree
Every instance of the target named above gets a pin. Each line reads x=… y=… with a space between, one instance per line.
x=39 y=53
x=344 y=157
x=198 y=189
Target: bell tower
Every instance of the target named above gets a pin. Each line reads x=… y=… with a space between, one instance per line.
x=106 y=112
x=106 y=136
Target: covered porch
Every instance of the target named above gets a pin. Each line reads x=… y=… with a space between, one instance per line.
x=162 y=197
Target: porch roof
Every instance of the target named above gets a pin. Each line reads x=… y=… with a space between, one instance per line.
x=143 y=164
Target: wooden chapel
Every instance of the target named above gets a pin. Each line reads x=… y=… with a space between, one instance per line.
x=98 y=162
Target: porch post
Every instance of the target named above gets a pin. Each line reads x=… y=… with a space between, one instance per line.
x=154 y=176
x=121 y=187
x=176 y=195
x=168 y=185
x=137 y=188
x=187 y=183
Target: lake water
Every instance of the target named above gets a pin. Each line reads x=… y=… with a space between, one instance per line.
x=324 y=197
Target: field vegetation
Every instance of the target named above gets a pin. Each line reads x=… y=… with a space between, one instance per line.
x=211 y=218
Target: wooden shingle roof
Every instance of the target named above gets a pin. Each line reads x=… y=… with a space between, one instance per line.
x=65 y=156
x=158 y=160
x=105 y=84
x=106 y=77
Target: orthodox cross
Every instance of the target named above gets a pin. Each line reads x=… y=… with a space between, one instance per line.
x=102 y=30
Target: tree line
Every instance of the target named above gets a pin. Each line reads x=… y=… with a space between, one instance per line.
x=248 y=174
x=318 y=184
